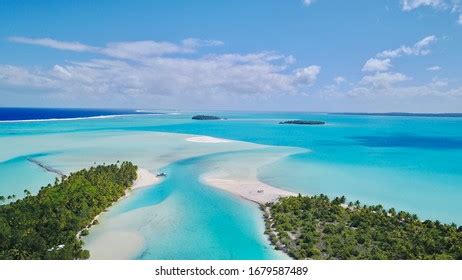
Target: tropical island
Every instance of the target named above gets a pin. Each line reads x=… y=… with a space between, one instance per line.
x=318 y=228
x=49 y=225
x=303 y=122
x=206 y=117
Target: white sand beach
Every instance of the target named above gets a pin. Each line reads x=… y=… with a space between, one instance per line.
x=252 y=190
x=145 y=179
x=102 y=247
x=207 y=139
x=240 y=177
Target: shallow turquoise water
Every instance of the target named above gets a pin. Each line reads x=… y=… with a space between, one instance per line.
x=18 y=174
x=189 y=220
x=410 y=163
x=213 y=224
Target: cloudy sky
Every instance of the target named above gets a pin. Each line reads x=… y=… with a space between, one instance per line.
x=300 y=55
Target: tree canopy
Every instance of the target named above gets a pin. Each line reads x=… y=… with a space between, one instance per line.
x=318 y=228
x=45 y=226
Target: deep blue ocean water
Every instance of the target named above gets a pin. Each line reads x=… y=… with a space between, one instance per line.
x=12 y=114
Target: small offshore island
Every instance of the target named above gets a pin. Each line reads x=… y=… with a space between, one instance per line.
x=49 y=225
x=318 y=228
x=206 y=118
x=303 y=122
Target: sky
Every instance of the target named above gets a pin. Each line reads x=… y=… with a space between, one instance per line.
x=272 y=55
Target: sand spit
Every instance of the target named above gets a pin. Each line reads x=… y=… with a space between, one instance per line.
x=207 y=139
x=252 y=190
x=145 y=179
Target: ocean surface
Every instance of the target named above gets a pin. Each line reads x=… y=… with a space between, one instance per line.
x=14 y=114
x=412 y=163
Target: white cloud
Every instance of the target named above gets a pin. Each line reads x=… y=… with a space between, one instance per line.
x=338 y=80
x=290 y=59
x=408 y=5
x=419 y=93
x=375 y=64
x=434 y=68
x=419 y=48
x=307 y=75
x=382 y=63
x=162 y=74
x=391 y=91
x=453 y=6
x=195 y=43
x=140 y=71
x=383 y=79
x=51 y=43
x=13 y=76
x=457 y=9
x=425 y=42
x=437 y=82
x=141 y=49
x=308 y=2
x=134 y=50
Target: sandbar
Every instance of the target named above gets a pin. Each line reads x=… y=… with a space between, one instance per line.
x=207 y=139
x=145 y=179
x=252 y=190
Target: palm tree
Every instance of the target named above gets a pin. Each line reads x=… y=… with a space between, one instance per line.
x=27 y=192
x=392 y=211
x=19 y=254
x=2 y=199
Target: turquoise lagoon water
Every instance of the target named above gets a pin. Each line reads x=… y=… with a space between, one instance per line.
x=12 y=183
x=201 y=222
x=410 y=163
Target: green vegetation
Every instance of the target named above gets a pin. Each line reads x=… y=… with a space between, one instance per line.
x=303 y=122
x=319 y=228
x=205 y=117
x=47 y=225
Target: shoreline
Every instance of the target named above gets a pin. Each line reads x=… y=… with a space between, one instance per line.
x=78 y=118
x=207 y=139
x=251 y=190
x=247 y=189
x=256 y=192
x=144 y=179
